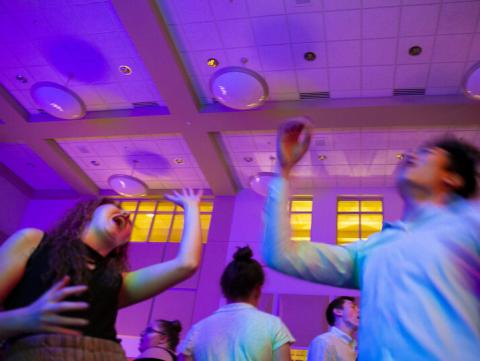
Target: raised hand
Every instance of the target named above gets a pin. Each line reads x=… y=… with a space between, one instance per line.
x=44 y=314
x=293 y=139
x=186 y=198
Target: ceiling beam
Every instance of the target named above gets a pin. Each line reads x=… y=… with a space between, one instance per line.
x=146 y=27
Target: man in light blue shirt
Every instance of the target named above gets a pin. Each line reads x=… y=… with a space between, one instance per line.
x=420 y=277
x=338 y=343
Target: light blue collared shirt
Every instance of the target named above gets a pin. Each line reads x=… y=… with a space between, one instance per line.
x=334 y=345
x=420 y=280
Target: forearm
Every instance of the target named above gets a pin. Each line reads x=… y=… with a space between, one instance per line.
x=316 y=262
x=189 y=254
x=13 y=322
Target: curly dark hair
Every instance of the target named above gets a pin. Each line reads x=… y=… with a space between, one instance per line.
x=463 y=160
x=68 y=253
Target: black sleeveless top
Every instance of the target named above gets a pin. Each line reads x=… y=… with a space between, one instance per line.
x=102 y=293
x=170 y=352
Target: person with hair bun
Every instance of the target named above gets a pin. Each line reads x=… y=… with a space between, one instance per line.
x=159 y=341
x=238 y=330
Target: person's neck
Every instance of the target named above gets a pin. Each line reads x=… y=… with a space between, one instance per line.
x=414 y=199
x=92 y=239
x=250 y=300
x=342 y=326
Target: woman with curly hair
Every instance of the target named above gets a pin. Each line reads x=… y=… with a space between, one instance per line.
x=60 y=291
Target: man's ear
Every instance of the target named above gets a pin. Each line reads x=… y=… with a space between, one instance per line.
x=337 y=312
x=453 y=180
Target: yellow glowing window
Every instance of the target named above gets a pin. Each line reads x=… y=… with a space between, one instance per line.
x=162 y=221
x=298 y=355
x=358 y=218
x=301 y=218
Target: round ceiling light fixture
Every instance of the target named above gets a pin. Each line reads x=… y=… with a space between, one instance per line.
x=239 y=88
x=57 y=100
x=259 y=182
x=127 y=185
x=309 y=56
x=471 y=82
x=415 y=50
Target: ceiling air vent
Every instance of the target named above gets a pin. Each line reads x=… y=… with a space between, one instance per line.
x=145 y=104
x=413 y=91
x=315 y=95
x=302 y=2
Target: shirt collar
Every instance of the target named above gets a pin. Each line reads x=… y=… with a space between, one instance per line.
x=342 y=335
x=235 y=306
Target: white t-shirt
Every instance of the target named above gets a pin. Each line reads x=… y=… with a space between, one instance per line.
x=236 y=331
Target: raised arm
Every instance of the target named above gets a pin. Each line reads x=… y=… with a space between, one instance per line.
x=150 y=281
x=316 y=262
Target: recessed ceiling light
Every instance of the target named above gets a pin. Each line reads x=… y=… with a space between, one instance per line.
x=415 y=50
x=248 y=159
x=244 y=60
x=95 y=163
x=212 y=63
x=322 y=157
x=179 y=160
x=21 y=78
x=400 y=156
x=309 y=56
x=125 y=70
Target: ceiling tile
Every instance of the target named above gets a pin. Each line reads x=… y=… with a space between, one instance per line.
x=459 y=18
x=347 y=140
x=235 y=57
x=303 y=6
x=379 y=51
x=446 y=75
x=344 y=78
x=281 y=81
x=344 y=94
x=306 y=27
x=380 y=22
x=313 y=80
x=344 y=53
x=276 y=57
x=404 y=45
x=202 y=36
x=376 y=93
x=377 y=3
x=475 y=49
x=451 y=47
x=343 y=25
x=270 y=30
x=191 y=11
x=265 y=142
x=236 y=33
x=419 y=20
x=229 y=9
x=265 y=7
x=240 y=143
x=341 y=4
x=378 y=77
x=411 y=76
x=443 y=91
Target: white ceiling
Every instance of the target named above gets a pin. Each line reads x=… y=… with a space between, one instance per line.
x=361 y=46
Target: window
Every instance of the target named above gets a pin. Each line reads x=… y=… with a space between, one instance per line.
x=162 y=221
x=301 y=218
x=358 y=218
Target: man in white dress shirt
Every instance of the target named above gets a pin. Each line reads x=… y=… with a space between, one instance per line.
x=337 y=344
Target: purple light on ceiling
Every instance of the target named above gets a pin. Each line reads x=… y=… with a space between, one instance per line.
x=77 y=59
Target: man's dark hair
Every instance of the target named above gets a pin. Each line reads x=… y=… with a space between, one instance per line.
x=463 y=160
x=336 y=304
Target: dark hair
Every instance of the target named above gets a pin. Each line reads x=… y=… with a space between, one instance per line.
x=463 y=160
x=68 y=252
x=172 y=331
x=336 y=304
x=241 y=275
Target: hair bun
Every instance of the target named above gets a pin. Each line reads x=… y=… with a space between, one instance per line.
x=177 y=326
x=244 y=254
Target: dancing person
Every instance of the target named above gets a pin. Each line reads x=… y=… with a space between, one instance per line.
x=159 y=341
x=60 y=291
x=419 y=277
x=239 y=331
x=338 y=344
